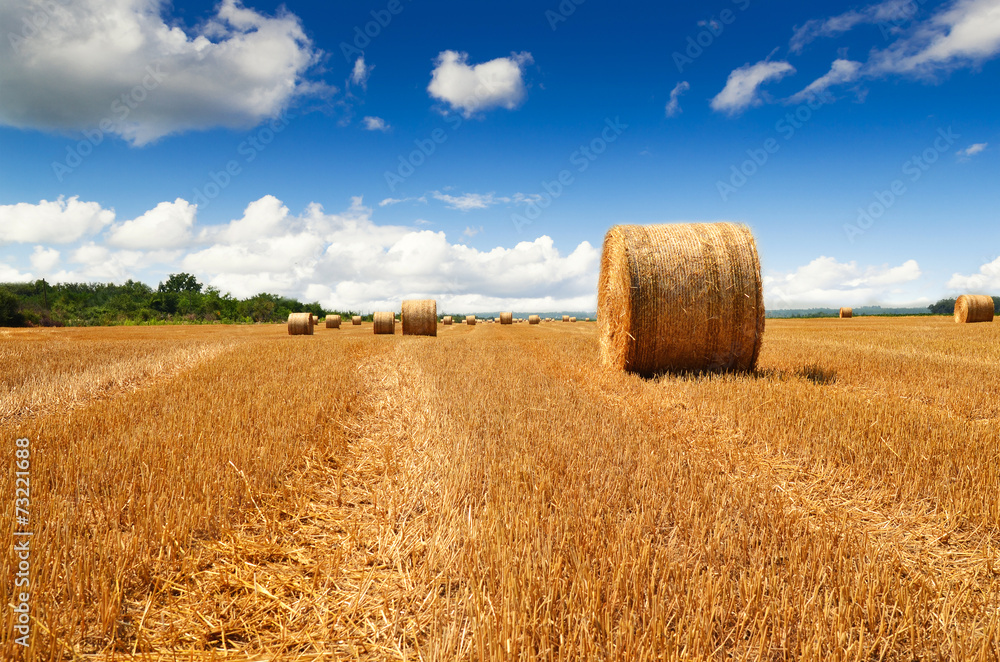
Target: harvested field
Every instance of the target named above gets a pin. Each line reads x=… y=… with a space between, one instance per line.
x=188 y=498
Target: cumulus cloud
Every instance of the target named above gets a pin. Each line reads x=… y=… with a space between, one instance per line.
x=973 y=149
x=741 y=90
x=470 y=89
x=892 y=11
x=376 y=124
x=122 y=66
x=168 y=225
x=361 y=72
x=987 y=281
x=57 y=222
x=674 y=105
x=824 y=282
x=964 y=33
x=44 y=259
x=842 y=71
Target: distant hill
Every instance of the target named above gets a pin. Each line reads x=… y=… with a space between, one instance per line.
x=835 y=312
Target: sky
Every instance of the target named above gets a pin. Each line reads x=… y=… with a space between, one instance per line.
x=362 y=153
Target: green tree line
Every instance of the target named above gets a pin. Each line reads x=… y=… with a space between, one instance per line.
x=178 y=299
x=947 y=306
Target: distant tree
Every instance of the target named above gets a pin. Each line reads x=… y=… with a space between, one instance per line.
x=942 y=307
x=178 y=283
x=10 y=309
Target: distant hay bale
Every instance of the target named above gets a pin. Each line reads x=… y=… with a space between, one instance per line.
x=506 y=318
x=470 y=320
x=300 y=324
x=586 y=319
x=565 y=318
x=315 y=319
x=446 y=320
x=420 y=317
x=572 y=319
x=333 y=321
x=846 y=313
x=684 y=296
x=385 y=323
x=356 y=320
x=970 y=308
x=534 y=319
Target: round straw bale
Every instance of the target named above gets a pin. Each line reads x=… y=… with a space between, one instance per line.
x=470 y=320
x=846 y=312
x=683 y=296
x=572 y=319
x=446 y=320
x=565 y=318
x=356 y=320
x=300 y=324
x=586 y=319
x=420 y=317
x=534 y=319
x=333 y=321
x=385 y=323
x=971 y=308
x=506 y=318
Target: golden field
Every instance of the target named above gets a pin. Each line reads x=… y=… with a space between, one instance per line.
x=495 y=494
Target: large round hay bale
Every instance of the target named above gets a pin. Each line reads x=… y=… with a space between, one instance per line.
x=586 y=319
x=446 y=320
x=534 y=319
x=385 y=323
x=971 y=308
x=356 y=320
x=333 y=321
x=565 y=318
x=300 y=324
x=506 y=318
x=420 y=317
x=846 y=313
x=684 y=296
x=572 y=319
x=470 y=320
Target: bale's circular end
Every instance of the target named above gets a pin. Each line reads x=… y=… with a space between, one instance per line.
x=677 y=297
x=972 y=308
x=470 y=320
x=384 y=323
x=300 y=324
x=534 y=319
x=846 y=313
x=333 y=321
x=356 y=320
x=420 y=317
x=565 y=318
x=446 y=320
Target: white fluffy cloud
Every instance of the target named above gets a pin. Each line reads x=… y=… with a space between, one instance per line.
x=674 y=105
x=743 y=83
x=468 y=201
x=376 y=124
x=168 y=225
x=470 y=89
x=884 y=12
x=123 y=64
x=964 y=33
x=842 y=71
x=44 y=259
x=973 y=149
x=824 y=282
x=361 y=72
x=987 y=281
x=57 y=222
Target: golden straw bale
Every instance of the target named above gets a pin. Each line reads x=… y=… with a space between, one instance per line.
x=846 y=313
x=470 y=320
x=385 y=323
x=356 y=320
x=506 y=318
x=420 y=317
x=970 y=308
x=534 y=319
x=683 y=296
x=333 y=321
x=565 y=318
x=300 y=324
x=572 y=319
x=446 y=320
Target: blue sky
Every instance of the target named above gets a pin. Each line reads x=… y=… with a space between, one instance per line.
x=478 y=154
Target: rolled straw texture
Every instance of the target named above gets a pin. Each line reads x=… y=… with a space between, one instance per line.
x=846 y=313
x=333 y=321
x=534 y=319
x=678 y=297
x=971 y=308
x=385 y=323
x=300 y=324
x=420 y=317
